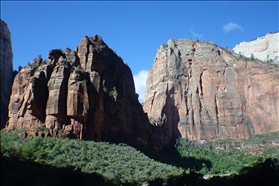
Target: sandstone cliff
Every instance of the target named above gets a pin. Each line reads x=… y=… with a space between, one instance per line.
x=200 y=91
x=85 y=94
x=265 y=48
x=6 y=71
x=195 y=90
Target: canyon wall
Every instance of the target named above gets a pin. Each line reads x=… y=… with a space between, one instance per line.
x=86 y=94
x=6 y=71
x=200 y=91
x=195 y=90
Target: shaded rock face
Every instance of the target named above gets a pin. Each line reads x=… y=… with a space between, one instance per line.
x=6 y=71
x=85 y=94
x=265 y=48
x=200 y=91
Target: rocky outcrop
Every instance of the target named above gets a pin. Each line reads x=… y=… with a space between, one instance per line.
x=85 y=94
x=195 y=90
x=265 y=48
x=6 y=71
x=200 y=91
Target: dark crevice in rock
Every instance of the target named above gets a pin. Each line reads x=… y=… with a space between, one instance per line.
x=201 y=85
x=217 y=113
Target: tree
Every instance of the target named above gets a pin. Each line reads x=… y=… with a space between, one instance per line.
x=252 y=56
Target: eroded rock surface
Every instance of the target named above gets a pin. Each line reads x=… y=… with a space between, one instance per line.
x=195 y=90
x=6 y=71
x=200 y=91
x=85 y=94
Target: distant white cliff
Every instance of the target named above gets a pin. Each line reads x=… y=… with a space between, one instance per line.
x=265 y=48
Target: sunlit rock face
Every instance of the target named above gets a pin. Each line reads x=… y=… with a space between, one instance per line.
x=195 y=90
x=85 y=94
x=265 y=48
x=200 y=91
x=6 y=71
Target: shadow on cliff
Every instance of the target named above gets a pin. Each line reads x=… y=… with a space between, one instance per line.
x=169 y=154
x=164 y=134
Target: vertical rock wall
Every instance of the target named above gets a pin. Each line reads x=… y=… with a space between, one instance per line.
x=200 y=91
x=85 y=94
x=6 y=71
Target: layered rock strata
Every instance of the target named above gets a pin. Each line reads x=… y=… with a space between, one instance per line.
x=6 y=71
x=85 y=94
x=199 y=91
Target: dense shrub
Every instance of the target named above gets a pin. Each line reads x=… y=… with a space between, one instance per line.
x=118 y=163
x=229 y=159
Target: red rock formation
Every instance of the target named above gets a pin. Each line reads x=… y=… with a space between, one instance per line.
x=6 y=72
x=196 y=90
x=200 y=91
x=84 y=94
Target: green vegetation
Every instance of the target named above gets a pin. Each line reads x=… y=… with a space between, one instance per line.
x=120 y=164
x=117 y=55
x=155 y=121
x=44 y=62
x=66 y=63
x=227 y=157
x=243 y=58
x=254 y=140
x=252 y=57
x=222 y=162
x=41 y=127
x=38 y=62
x=33 y=65
x=80 y=69
x=67 y=50
x=270 y=61
x=113 y=93
x=165 y=46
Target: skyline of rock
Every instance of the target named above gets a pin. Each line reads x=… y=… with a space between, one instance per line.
x=196 y=90
x=265 y=48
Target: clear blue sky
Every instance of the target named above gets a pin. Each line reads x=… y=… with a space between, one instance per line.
x=135 y=30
